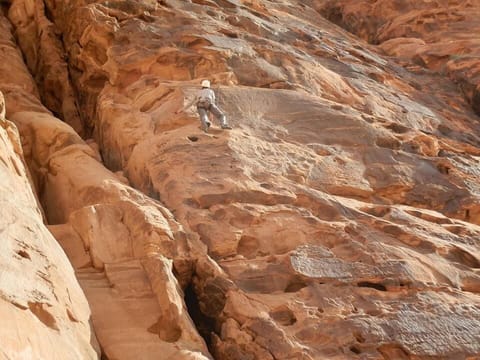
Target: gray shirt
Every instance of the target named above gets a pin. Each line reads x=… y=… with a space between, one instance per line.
x=206 y=94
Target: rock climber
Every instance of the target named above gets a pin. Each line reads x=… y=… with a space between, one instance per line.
x=205 y=101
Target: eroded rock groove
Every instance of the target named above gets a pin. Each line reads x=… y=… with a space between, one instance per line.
x=204 y=324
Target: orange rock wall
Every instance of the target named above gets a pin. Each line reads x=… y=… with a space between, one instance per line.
x=339 y=218
x=434 y=34
x=43 y=310
x=121 y=244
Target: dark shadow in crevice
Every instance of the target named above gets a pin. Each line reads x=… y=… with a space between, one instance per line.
x=3 y=9
x=24 y=254
x=372 y=285
x=205 y=325
x=295 y=285
x=355 y=349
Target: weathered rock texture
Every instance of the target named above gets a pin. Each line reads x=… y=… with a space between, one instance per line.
x=121 y=243
x=44 y=314
x=342 y=212
x=438 y=35
x=43 y=310
x=44 y=53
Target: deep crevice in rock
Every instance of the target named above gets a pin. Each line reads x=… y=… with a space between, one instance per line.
x=295 y=285
x=48 y=88
x=372 y=285
x=204 y=324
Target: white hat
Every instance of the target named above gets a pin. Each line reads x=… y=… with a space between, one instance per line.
x=206 y=83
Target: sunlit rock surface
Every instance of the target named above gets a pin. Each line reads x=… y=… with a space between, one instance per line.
x=438 y=35
x=339 y=218
x=41 y=302
x=121 y=243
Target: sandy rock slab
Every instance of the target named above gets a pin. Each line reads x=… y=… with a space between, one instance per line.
x=436 y=35
x=124 y=246
x=318 y=306
x=111 y=233
x=41 y=303
x=345 y=198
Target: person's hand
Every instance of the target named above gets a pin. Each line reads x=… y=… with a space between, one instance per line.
x=178 y=112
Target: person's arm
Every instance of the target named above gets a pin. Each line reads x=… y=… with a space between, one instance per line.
x=186 y=107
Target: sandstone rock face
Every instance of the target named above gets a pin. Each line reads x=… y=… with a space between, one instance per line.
x=339 y=219
x=41 y=303
x=44 y=53
x=122 y=244
x=434 y=34
x=44 y=312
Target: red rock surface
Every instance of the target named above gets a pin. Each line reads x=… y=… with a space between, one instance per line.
x=339 y=219
x=121 y=243
x=40 y=301
x=436 y=34
x=44 y=53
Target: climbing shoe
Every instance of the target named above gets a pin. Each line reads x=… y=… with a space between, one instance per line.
x=226 y=127
x=207 y=126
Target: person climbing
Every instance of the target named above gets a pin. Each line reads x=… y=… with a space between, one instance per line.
x=205 y=101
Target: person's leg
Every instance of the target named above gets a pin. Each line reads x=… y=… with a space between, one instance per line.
x=220 y=116
x=203 y=113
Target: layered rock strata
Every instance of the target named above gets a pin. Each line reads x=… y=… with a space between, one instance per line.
x=314 y=196
x=433 y=34
x=44 y=53
x=122 y=244
x=342 y=211
x=43 y=310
